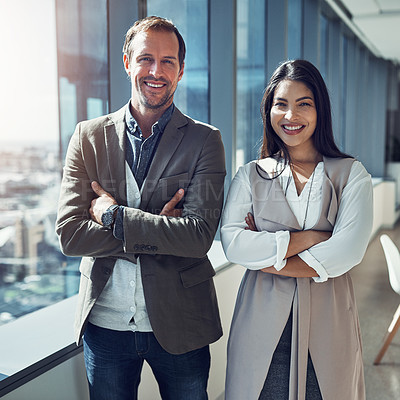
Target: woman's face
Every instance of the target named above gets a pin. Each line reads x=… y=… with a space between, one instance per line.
x=293 y=114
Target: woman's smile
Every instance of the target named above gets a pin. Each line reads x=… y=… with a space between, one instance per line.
x=292 y=129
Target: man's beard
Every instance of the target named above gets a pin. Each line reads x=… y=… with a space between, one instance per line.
x=158 y=105
x=163 y=101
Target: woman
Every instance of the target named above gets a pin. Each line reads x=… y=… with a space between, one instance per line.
x=298 y=219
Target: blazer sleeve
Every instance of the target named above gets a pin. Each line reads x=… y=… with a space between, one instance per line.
x=78 y=234
x=192 y=234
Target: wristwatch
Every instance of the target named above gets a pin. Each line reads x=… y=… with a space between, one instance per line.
x=107 y=219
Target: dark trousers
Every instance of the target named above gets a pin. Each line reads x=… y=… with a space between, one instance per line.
x=276 y=385
x=114 y=361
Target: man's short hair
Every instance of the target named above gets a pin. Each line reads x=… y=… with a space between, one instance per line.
x=157 y=24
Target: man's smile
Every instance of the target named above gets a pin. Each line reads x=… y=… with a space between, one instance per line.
x=155 y=85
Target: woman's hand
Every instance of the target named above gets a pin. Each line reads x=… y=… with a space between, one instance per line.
x=295 y=268
x=251 y=225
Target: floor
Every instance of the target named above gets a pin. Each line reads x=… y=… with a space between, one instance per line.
x=377 y=303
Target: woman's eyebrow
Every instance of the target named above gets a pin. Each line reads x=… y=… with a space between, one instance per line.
x=305 y=98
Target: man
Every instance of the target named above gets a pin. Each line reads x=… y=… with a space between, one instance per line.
x=140 y=200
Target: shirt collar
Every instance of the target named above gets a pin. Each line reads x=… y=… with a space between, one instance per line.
x=134 y=129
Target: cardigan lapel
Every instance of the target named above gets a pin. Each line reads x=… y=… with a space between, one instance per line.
x=169 y=142
x=329 y=206
x=114 y=133
x=335 y=179
x=275 y=207
x=269 y=200
x=278 y=210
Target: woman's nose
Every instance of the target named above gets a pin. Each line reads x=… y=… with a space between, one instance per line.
x=290 y=114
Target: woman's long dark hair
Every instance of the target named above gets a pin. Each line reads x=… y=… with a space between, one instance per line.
x=307 y=73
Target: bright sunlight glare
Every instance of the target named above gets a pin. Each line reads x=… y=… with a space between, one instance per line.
x=28 y=71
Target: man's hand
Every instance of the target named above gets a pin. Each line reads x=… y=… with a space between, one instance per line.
x=101 y=203
x=169 y=208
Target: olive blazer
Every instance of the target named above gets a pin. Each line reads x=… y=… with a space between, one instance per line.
x=176 y=273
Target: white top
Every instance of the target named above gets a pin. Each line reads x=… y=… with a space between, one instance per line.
x=331 y=258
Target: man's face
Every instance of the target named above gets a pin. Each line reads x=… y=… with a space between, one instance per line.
x=154 y=69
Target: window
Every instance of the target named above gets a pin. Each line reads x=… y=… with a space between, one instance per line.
x=343 y=91
x=191 y=18
x=294 y=27
x=52 y=77
x=82 y=63
x=32 y=273
x=250 y=78
x=46 y=92
x=324 y=47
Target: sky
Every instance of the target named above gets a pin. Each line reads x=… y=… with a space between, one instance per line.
x=28 y=71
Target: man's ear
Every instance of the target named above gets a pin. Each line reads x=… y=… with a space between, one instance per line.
x=181 y=71
x=126 y=63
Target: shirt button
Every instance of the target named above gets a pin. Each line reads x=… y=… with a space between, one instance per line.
x=133 y=309
x=137 y=195
x=132 y=283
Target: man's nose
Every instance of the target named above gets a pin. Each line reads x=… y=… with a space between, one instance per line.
x=155 y=69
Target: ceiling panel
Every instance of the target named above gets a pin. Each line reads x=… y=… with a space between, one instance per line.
x=389 y=5
x=384 y=39
x=357 y=7
x=379 y=21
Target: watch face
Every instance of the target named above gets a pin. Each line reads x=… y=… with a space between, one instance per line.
x=108 y=216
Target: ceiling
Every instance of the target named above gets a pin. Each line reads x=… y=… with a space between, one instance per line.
x=379 y=23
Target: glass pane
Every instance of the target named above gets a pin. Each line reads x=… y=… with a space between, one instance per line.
x=191 y=18
x=250 y=78
x=82 y=63
x=343 y=91
x=294 y=29
x=82 y=56
x=324 y=46
x=32 y=273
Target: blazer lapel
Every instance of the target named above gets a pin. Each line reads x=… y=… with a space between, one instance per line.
x=170 y=140
x=115 y=142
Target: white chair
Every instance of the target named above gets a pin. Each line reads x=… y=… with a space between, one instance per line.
x=392 y=256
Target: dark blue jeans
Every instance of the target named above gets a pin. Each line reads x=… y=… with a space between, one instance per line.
x=114 y=361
